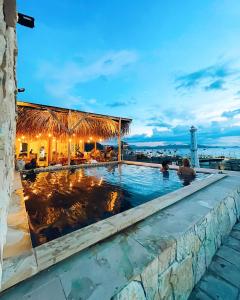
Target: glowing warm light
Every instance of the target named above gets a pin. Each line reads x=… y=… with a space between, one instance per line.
x=111 y=203
x=100 y=140
x=90 y=138
x=49 y=135
x=26 y=198
x=19 y=140
x=88 y=141
x=80 y=141
x=100 y=181
x=39 y=134
x=74 y=134
x=70 y=140
x=22 y=137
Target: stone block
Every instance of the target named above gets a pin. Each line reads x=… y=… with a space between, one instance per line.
x=199 y=264
x=52 y=290
x=232 y=243
x=181 y=279
x=229 y=255
x=133 y=291
x=165 y=290
x=236 y=234
x=149 y=278
x=232 y=212
x=217 y=288
x=119 y=259
x=197 y=294
x=226 y=270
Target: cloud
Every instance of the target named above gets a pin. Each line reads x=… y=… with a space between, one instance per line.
x=116 y=104
x=158 y=124
x=63 y=78
x=214 y=134
x=231 y=113
x=119 y=103
x=216 y=85
x=214 y=75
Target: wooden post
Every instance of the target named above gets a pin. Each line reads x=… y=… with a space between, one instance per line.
x=49 y=149
x=95 y=145
x=69 y=143
x=69 y=150
x=119 y=140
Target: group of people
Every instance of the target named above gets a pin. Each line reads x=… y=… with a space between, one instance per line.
x=185 y=172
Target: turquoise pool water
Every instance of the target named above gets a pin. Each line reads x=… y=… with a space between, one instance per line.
x=63 y=201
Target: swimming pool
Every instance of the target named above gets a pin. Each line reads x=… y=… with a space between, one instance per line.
x=60 y=202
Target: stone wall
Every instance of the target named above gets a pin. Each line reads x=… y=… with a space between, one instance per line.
x=161 y=257
x=7 y=119
x=175 y=272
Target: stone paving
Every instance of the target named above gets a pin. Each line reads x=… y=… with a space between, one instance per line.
x=222 y=279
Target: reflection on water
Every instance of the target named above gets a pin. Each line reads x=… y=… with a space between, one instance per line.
x=63 y=201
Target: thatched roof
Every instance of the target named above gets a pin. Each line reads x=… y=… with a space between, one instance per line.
x=60 y=122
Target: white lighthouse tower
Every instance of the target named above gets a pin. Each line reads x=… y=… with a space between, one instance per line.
x=194 y=148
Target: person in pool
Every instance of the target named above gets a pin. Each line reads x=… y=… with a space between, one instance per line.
x=186 y=173
x=164 y=167
x=186 y=169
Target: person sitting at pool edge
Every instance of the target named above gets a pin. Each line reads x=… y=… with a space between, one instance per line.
x=186 y=169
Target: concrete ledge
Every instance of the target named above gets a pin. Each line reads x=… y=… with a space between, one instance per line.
x=172 y=167
x=71 y=167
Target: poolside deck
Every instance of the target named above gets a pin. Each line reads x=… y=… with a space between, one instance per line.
x=161 y=257
x=222 y=279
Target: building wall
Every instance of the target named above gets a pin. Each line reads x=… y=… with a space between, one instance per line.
x=7 y=119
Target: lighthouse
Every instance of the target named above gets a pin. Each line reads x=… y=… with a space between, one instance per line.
x=193 y=147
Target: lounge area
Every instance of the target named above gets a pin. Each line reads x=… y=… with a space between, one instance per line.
x=53 y=136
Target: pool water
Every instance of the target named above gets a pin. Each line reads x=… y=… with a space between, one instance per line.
x=63 y=201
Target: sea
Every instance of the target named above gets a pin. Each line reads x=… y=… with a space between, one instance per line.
x=228 y=152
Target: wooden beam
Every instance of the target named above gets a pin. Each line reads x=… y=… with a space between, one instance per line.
x=78 y=122
x=54 y=115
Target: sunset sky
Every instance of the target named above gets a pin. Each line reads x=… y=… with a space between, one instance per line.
x=165 y=64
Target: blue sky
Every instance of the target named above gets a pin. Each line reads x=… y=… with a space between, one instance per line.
x=166 y=64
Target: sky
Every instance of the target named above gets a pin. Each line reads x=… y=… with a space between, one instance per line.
x=165 y=64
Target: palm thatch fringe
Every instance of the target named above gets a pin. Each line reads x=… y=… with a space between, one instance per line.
x=61 y=124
